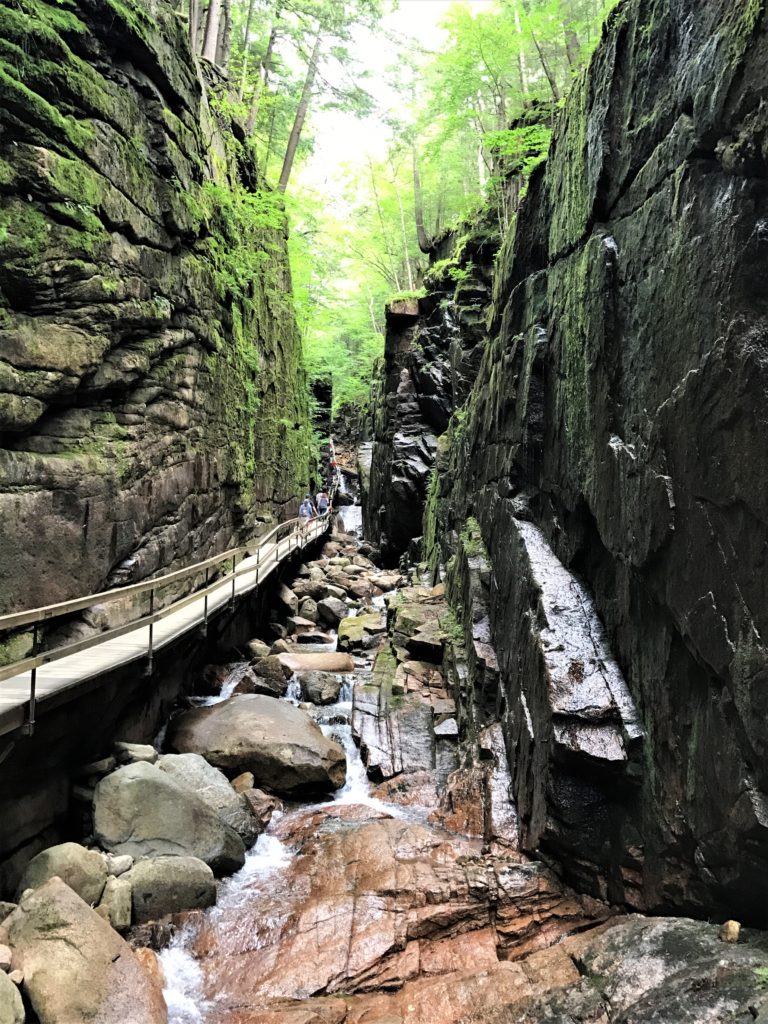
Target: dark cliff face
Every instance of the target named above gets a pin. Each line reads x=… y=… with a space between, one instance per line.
x=613 y=453
x=152 y=403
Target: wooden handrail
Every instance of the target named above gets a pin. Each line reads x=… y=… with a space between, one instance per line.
x=53 y=611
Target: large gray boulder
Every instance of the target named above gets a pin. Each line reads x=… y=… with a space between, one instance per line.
x=141 y=810
x=84 y=871
x=282 y=746
x=331 y=610
x=167 y=885
x=212 y=786
x=320 y=687
x=11 y=1006
x=76 y=967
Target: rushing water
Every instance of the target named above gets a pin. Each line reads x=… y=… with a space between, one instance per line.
x=264 y=864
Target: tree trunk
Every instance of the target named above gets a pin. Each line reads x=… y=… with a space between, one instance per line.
x=246 y=35
x=521 y=64
x=224 y=42
x=572 y=44
x=301 y=113
x=418 y=204
x=212 y=31
x=546 y=69
x=194 y=23
x=261 y=85
x=406 y=256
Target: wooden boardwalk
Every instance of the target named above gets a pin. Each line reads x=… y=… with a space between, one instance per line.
x=64 y=678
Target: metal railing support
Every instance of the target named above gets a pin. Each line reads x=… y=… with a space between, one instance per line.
x=151 y=646
x=29 y=726
x=234 y=579
x=204 y=627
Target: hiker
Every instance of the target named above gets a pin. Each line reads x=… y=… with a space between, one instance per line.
x=306 y=513
x=322 y=502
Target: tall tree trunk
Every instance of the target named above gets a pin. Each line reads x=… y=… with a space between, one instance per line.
x=224 y=42
x=572 y=44
x=212 y=31
x=406 y=256
x=301 y=113
x=546 y=69
x=521 y=63
x=194 y=23
x=418 y=205
x=261 y=85
x=246 y=36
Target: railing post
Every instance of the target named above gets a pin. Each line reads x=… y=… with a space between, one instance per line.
x=232 y=599
x=258 y=554
x=205 y=606
x=151 y=648
x=29 y=726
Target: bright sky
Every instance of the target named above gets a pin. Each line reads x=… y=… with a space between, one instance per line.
x=344 y=139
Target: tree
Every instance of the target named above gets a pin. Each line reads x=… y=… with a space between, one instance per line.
x=211 y=40
x=301 y=113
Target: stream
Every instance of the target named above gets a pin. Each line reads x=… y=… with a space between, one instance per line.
x=261 y=877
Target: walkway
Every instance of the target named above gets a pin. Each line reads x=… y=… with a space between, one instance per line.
x=58 y=678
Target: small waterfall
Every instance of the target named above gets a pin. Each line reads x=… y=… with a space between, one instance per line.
x=293 y=693
x=183 y=984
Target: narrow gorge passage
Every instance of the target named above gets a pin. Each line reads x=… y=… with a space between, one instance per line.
x=383 y=422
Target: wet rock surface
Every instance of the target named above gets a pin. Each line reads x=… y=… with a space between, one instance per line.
x=75 y=966
x=281 y=745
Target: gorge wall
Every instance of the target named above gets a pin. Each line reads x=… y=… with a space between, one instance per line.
x=152 y=400
x=604 y=478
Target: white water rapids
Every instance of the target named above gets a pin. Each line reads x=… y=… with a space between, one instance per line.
x=264 y=864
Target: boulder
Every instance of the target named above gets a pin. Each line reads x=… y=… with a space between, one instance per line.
x=84 y=871
x=132 y=753
x=251 y=683
x=141 y=810
x=263 y=805
x=331 y=610
x=329 y=590
x=363 y=562
x=256 y=649
x=354 y=630
x=167 y=885
x=309 y=588
x=197 y=776
x=6 y=958
x=320 y=687
x=76 y=967
x=11 y=1006
x=273 y=669
x=119 y=865
x=297 y=624
x=288 y=599
x=282 y=746
x=6 y=909
x=318 y=661
x=243 y=782
x=116 y=902
x=308 y=609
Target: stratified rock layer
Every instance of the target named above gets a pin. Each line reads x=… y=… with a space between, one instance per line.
x=151 y=399
x=615 y=437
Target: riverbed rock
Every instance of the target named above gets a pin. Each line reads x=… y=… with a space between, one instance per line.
x=369 y=899
x=118 y=864
x=84 y=871
x=116 y=902
x=242 y=782
x=288 y=599
x=281 y=745
x=320 y=687
x=356 y=632
x=167 y=885
x=329 y=590
x=141 y=810
x=76 y=967
x=308 y=609
x=263 y=805
x=317 y=661
x=331 y=610
x=257 y=649
x=211 y=786
x=11 y=1006
x=133 y=753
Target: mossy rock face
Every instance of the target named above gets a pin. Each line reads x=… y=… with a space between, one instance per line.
x=619 y=405
x=147 y=335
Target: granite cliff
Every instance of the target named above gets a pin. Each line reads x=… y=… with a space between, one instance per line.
x=596 y=498
x=152 y=400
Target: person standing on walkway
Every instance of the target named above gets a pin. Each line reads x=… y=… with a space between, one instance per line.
x=321 y=502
